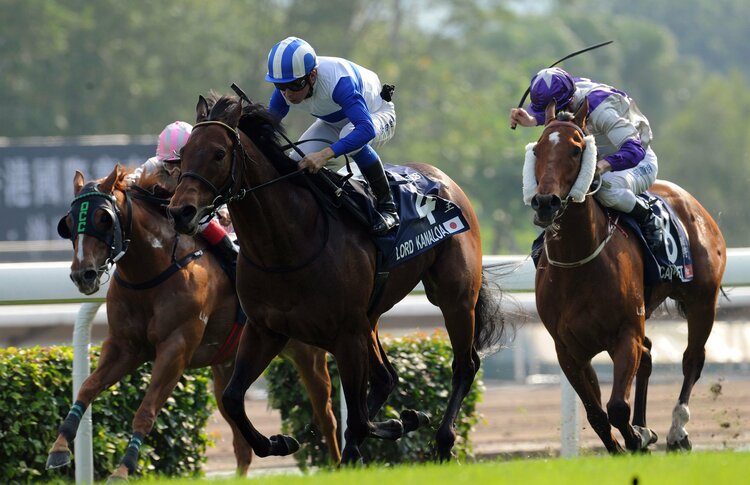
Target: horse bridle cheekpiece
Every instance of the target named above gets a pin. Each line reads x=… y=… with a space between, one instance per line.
x=82 y=211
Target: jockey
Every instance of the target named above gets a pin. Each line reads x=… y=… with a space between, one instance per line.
x=171 y=140
x=352 y=110
x=627 y=163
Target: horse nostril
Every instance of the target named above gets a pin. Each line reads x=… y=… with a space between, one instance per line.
x=89 y=275
x=535 y=203
x=183 y=214
x=556 y=203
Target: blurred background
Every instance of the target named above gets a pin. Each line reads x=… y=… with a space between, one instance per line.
x=85 y=84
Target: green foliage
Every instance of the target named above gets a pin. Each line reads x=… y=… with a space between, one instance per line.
x=72 y=67
x=35 y=385
x=424 y=367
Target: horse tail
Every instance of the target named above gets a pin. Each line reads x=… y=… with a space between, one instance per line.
x=490 y=324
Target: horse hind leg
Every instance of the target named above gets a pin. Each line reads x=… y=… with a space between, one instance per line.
x=641 y=391
x=243 y=452
x=701 y=313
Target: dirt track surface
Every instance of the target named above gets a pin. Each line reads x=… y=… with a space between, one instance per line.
x=525 y=421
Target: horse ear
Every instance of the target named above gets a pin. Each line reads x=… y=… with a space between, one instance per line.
x=78 y=182
x=201 y=110
x=107 y=186
x=582 y=114
x=234 y=112
x=550 y=113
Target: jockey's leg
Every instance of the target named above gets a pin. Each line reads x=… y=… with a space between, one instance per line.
x=221 y=245
x=619 y=191
x=372 y=168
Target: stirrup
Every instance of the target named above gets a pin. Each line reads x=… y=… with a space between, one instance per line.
x=388 y=222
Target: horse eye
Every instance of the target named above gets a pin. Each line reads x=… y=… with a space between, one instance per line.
x=576 y=151
x=220 y=154
x=104 y=218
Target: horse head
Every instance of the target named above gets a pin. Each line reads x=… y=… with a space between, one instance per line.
x=94 y=226
x=560 y=165
x=209 y=161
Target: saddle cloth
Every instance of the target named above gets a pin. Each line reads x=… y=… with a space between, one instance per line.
x=426 y=218
x=671 y=260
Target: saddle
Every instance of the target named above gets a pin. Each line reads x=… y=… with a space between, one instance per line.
x=426 y=218
x=671 y=262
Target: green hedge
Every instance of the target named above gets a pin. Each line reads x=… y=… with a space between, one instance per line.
x=35 y=396
x=423 y=364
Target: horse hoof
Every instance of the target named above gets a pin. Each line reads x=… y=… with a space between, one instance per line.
x=310 y=434
x=392 y=429
x=413 y=420
x=116 y=479
x=282 y=445
x=682 y=445
x=56 y=459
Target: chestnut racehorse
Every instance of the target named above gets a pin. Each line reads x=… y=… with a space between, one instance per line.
x=168 y=303
x=590 y=290
x=308 y=272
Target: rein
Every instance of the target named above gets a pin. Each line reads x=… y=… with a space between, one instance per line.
x=581 y=262
x=221 y=198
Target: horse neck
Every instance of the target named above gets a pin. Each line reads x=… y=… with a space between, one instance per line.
x=580 y=230
x=152 y=240
x=277 y=224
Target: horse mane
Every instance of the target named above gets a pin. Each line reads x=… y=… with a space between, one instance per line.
x=565 y=116
x=259 y=124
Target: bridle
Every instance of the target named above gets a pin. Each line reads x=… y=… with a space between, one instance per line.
x=553 y=228
x=227 y=194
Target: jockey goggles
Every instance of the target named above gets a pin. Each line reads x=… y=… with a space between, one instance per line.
x=296 y=85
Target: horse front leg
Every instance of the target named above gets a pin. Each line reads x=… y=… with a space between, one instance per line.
x=313 y=369
x=172 y=358
x=626 y=357
x=243 y=452
x=258 y=346
x=582 y=378
x=115 y=361
x=641 y=385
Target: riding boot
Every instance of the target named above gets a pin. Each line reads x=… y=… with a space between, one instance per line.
x=222 y=246
x=227 y=253
x=386 y=207
x=651 y=225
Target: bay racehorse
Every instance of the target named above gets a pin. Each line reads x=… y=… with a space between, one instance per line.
x=308 y=273
x=590 y=290
x=168 y=303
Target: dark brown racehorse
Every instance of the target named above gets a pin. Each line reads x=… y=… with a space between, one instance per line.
x=177 y=315
x=590 y=289
x=308 y=273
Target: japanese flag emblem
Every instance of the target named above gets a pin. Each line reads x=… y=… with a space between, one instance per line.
x=453 y=225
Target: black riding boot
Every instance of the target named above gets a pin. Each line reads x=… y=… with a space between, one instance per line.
x=227 y=253
x=651 y=225
x=388 y=219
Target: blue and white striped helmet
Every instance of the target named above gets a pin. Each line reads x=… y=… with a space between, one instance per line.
x=290 y=59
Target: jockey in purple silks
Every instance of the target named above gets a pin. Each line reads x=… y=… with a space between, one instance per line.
x=626 y=162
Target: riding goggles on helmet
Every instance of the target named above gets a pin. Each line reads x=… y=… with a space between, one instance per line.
x=296 y=85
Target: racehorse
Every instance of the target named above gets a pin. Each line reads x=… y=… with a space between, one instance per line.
x=308 y=273
x=168 y=303
x=590 y=290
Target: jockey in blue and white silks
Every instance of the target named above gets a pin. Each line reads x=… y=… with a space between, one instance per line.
x=348 y=102
x=622 y=134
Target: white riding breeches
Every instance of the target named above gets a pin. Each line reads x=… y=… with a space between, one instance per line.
x=619 y=188
x=384 y=120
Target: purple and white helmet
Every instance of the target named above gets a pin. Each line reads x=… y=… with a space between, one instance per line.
x=548 y=84
x=290 y=59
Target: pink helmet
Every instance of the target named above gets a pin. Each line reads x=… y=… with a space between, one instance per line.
x=172 y=139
